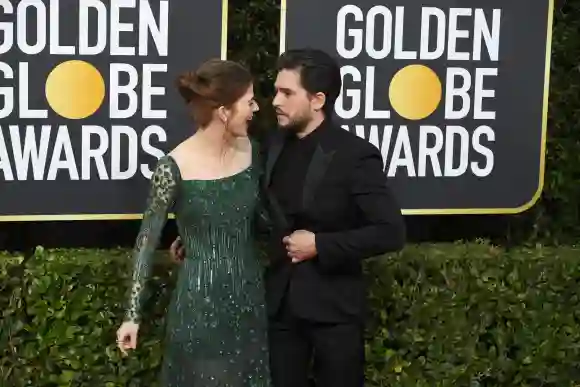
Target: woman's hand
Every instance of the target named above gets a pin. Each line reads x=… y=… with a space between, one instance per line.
x=177 y=250
x=127 y=336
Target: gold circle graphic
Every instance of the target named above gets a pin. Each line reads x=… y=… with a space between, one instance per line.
x=415 y=92
x=75 y=89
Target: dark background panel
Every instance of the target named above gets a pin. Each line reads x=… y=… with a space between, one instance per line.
x=194 y=36
x=253 y=39
x=518 y=102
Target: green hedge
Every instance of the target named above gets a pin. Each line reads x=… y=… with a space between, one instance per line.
x=444 y=315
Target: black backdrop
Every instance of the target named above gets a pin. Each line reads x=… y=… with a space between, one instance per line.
x=253 y=39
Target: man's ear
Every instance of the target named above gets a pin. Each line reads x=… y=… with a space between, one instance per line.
x=317 y=101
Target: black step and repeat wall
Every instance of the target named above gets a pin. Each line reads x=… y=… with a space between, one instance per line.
x=88 y=102
x=454 y=94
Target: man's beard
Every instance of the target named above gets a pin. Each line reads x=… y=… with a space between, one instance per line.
x=296 y=125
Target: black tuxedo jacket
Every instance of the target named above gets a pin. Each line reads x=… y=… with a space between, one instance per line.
x=347 y=204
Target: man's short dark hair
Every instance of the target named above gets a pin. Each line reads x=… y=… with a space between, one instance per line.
x=319 y=73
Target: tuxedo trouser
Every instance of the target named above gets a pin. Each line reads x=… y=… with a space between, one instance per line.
x=334 y=350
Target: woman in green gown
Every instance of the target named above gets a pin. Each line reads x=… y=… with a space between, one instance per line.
x=216 y=322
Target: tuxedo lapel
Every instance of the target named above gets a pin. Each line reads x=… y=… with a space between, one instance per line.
x=273 y=153
x=316 y=169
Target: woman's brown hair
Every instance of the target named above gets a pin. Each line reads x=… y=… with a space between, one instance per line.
x=215 y=83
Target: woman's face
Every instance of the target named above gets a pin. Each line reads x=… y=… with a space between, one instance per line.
x=242 y=113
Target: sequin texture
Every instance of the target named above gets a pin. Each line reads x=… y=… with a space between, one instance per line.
x=216 y=322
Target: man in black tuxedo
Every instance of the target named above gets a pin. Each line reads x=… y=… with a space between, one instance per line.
x=331 y=208
x=328 y=194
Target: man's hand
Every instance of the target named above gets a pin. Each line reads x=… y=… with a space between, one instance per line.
x=177 y=251
x=300 y=245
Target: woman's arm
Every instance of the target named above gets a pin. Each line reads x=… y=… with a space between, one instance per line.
x=162 y=194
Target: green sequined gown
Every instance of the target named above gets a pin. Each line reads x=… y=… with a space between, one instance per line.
x=216 y=322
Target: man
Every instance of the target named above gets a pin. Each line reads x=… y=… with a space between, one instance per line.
x=328 y=198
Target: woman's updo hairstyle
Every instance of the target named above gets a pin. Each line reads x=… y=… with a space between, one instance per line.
x=215 y=83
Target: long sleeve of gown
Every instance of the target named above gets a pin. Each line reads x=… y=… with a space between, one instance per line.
x=163 y=190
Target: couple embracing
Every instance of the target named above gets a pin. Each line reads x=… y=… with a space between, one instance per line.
x=319 y=195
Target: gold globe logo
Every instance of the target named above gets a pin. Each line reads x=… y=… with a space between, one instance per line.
x=75 y=89
x=415 y=92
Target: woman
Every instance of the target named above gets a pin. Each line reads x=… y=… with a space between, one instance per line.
x=216 y=322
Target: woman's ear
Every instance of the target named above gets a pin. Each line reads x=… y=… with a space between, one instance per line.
x=223 y=114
